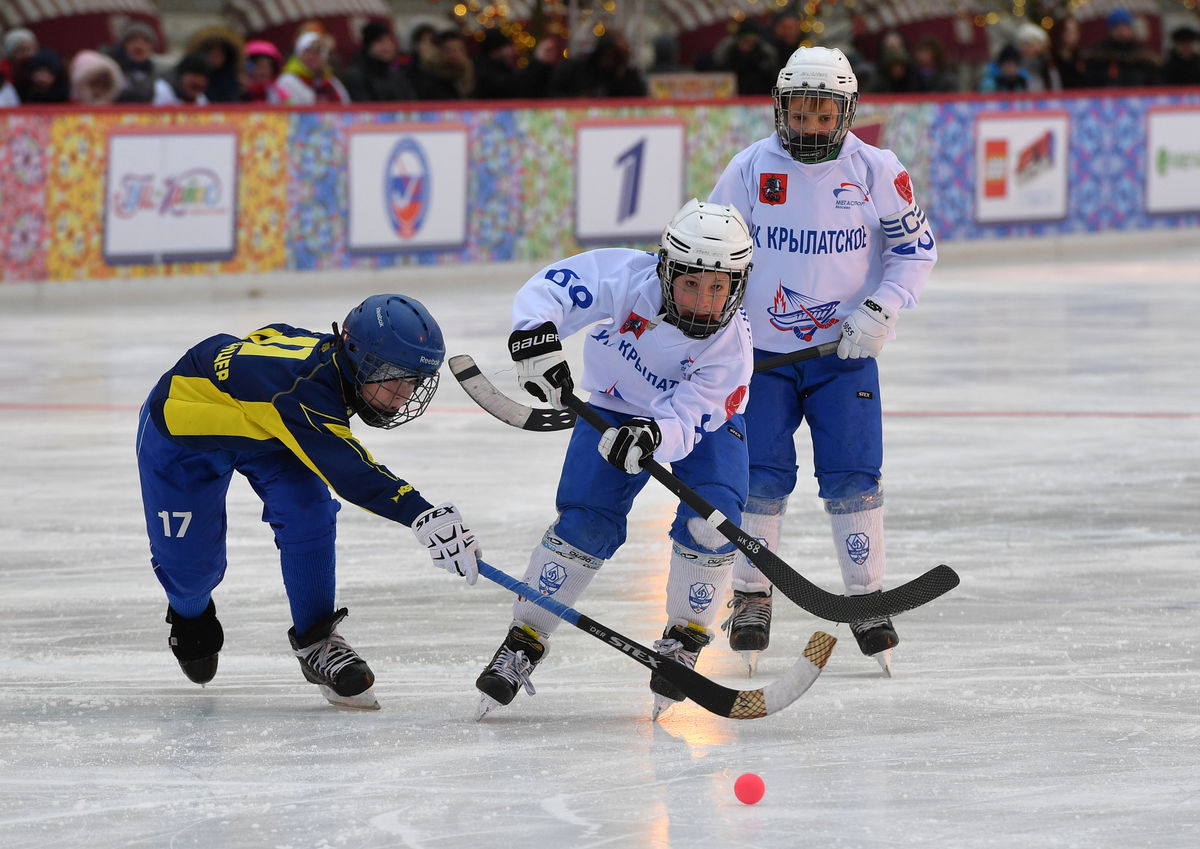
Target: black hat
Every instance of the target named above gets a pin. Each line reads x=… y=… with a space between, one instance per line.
x=1008 y=53
x=194 y=63
x=493 y=40
x=372 y=31
x=1183 y=34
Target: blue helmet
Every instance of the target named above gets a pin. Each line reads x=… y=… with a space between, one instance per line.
x=390 y=337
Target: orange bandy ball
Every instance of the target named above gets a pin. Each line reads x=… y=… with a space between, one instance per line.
x=749 y=788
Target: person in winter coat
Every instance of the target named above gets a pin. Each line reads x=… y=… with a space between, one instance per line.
x=261 y=70
x=42 y=78
x=306 y=79
x=185 y=84
x=222 y=47
x=374 y=74
x=133 y=52
x=96 y=79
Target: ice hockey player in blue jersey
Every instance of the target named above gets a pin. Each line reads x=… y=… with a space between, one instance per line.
x=841 y=246
x=666 y=361
x=275 y=407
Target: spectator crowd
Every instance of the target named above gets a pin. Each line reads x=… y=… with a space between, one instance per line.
x=218 y=66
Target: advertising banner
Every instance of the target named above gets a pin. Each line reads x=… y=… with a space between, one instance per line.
x=171 y=196
x=407 y=187
x=629 y=178
x=1172 y=159
x=1021 y=166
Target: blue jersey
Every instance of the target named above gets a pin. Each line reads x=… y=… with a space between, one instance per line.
x=279 y=390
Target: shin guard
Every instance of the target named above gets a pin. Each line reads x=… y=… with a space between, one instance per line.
x=558 y=569
x=766 y=529
x=858 y=539
x=696 y=585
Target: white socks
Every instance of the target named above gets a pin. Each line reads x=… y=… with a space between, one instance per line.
x=559 y=570
x=696 y=585
x=764 y=528
x=858 y=540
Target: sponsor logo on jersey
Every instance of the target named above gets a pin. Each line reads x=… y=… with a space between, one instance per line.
x=614 y=392
x=858 y=546
x=635 y=324
x=631 y=355
x=838 y=241
x=734 y=401
x=552 y=577
x=800 y=314
x=772 y=188
x=603 y=338
x=406 y=188
x=700 y=596
x=865 y=395
x=904 y=186
x=849 y=195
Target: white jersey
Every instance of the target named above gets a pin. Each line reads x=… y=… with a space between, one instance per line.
x=826 y=236
x=633 y=362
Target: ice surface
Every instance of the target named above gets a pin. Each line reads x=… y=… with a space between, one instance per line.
x=1041 y=437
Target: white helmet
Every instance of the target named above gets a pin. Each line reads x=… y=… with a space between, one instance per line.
x=704 y=237
x=823 y=72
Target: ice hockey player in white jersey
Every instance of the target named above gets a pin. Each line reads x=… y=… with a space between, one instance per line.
x=667 y=361
x=840 y=247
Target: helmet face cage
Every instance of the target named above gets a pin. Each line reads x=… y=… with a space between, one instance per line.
x=817 y=147
x=703 y=239
x=705 y=322
x=388 y=338
x=379 y=371
x=822 y=74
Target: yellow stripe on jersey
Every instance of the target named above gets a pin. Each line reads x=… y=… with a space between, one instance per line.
x=261 y=343
x=195 y=407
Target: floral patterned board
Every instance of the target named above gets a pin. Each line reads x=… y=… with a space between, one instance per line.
x=292 y=197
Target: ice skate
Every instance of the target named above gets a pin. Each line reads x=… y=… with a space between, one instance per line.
x=681 y=644
x=749 y=625
x=509 y=669
x=196 y=643
x=876 y=638
x=327 y=660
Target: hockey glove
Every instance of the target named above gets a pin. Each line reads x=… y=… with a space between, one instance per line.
x=631 y=443
x=451 y=543
x=865 y=330
x=541 y=367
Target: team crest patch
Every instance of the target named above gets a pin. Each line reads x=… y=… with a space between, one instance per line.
x=772 y=188
x=635 y=324
x=734 y=401
x=552 y=577
x=700 y=596
x=904 y=186
x=858 y=546
x=800 y=314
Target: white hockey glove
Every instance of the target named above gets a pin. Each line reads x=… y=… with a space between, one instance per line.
x=541 y=367
x=631 y=443
x=865 y=330
x=451 y=543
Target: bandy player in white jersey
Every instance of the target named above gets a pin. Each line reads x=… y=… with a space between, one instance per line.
x=667 y=361
x=840 y=247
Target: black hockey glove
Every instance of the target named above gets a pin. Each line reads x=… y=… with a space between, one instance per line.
x=630 y=444
x=541 y=367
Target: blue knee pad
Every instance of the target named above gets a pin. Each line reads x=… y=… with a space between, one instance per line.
x=856 y=502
